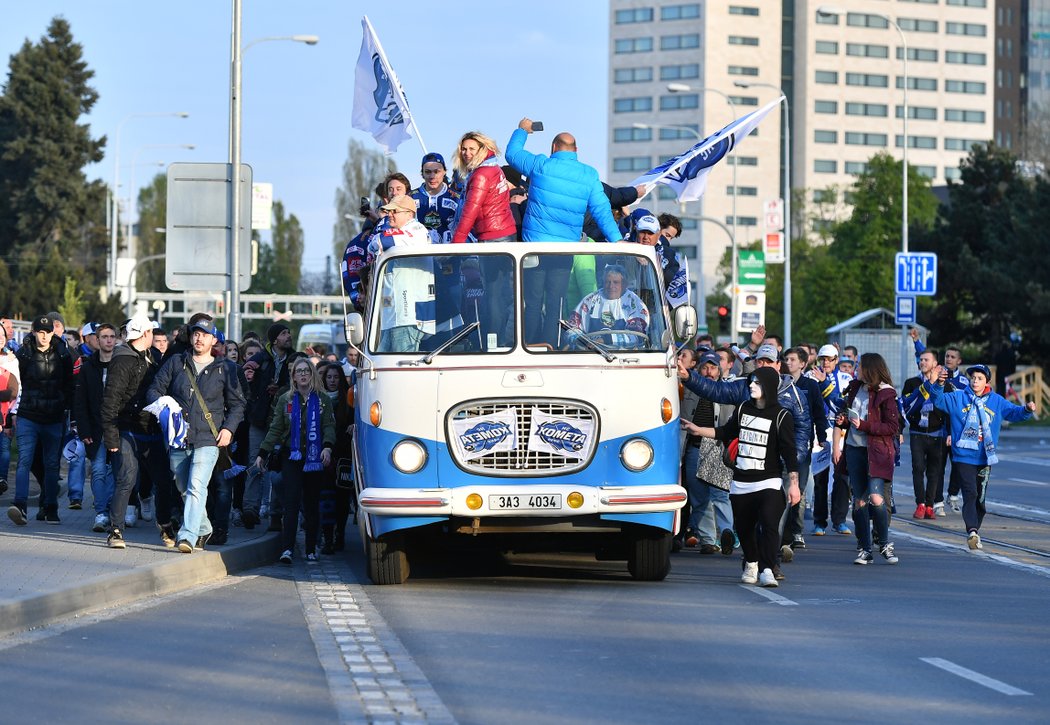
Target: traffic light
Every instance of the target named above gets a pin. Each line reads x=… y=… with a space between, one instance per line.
x=268 y=308
x=723 y=319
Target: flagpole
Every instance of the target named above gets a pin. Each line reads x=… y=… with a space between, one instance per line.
x=395 y=85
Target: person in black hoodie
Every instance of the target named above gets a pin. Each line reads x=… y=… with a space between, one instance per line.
x=87 y=413
x=765 y=432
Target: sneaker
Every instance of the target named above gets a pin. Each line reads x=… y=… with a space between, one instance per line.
x=727 y=541
x=938 y=510
x=167 y=536
x=786 y=553
x=250 y=519
x=920 y=511
x=18 y=515
x=51 y=516
x=750 y=573
x=275 y=523
x=887 y=553
x=766 y=579
x=930 y=513
x=286 y=556
x=974 y=541
x=864 y=557
x=75 y=505
x=311 y=558
x=820 y=530
x=3 y=486
x=40 y=514
x=236 y=518
x=799 y=542
x=955 y=502
x=101 y=523
x=115 y=540
x=131 y=516
x=708 y=549
x=219 y=537
x=691 y=539
x=185 y=546
x=147 y=509
x=264 y=510
x=201 y=541
x=777 y=574
x=842 y=529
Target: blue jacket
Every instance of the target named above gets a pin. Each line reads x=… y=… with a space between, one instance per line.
x=789 y=397
x=561 y=190
x=957 y=405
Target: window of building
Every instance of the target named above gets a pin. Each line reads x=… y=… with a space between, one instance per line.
x=825 y=166
x=963 y=115
x=850 y=197
x=629 y=133
x=743 y=221
x=827 y=19
x=961 y=144
x=858 y=138
x=735 y=160
x=968 y=3
x=634 y=15
x=821 y=196
x=742 y=191
x=665 y=192
x=685 y=41
x=928 y=171
x=633 y=45
x=820 y=136
x=827 y=47
x=923 y=55
x=679 y=101
x=742 y=40
x=957 y=56
x=919 y=113
x=677 y=134
x=952 y=173
x=743 y=70
x=633 y=105
x=976 y=29
x=873 y=80
x=917 y=142
x=744 y=100
x=825 y=106
x=684 y=71
x=856 y=168
x=918 y=84
x=632 y=163
x=867 y=109
x=917 y=25
x=864 y=50
x=863 y=20
x=826 y=76
x=976 y=87
x=920 y=2
x=633 y=75
x=687 y=11
x=743 y=10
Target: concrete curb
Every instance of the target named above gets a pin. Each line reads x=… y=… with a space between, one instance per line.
x=182 y=572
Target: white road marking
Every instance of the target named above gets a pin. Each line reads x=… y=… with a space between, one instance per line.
x=1029 y=481
x=771 y=596
x=1031 y=510
x=977 y=677
x=1027 y=461
x=961 y=548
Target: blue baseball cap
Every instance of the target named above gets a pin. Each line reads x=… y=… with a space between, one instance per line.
x=979 y=369
x=433 y=158
x=710 y=357
x=206 y=328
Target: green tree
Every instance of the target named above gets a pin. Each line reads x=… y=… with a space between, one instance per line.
x=153 y=215
x=362 y=170
x=280 y=260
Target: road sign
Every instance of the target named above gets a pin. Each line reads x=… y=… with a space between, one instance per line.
x=773 y=210
x=751 y=269
x=750 y=310
x=916 y=273
x=262 y=205
x=773 y=244
x=905 y=314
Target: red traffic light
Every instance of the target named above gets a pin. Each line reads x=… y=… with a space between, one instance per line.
x=723 y=311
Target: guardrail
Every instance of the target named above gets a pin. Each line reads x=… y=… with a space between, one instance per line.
x=1028 y=384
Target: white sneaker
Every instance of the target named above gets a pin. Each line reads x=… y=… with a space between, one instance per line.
x=956 y=503
x=101 y=523
x=766 y=579
x=938 y=510
x=147 y=509
x=286 y=556
x=131 y=516
x=751 y=573
x=974 y=541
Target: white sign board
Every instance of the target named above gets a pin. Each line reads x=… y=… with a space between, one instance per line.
x=262 y=205
x=750 y=310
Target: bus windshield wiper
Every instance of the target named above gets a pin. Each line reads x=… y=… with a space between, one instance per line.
x=426 y=359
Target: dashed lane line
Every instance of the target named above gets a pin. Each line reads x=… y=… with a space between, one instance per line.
x=771 y=596
x=968 y=674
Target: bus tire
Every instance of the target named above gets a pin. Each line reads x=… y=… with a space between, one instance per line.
x=649 y=554
x=387 y=559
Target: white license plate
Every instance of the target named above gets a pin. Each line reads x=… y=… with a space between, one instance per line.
x=524 y=501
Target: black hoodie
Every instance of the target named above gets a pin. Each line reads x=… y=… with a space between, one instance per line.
x=767 y=434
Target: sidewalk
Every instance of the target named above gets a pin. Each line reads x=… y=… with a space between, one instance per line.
x=49 y=572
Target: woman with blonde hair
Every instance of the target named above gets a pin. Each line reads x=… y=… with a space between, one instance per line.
x=485 y=208
x=304 y=426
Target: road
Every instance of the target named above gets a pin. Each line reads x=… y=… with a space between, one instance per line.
x=945 y=636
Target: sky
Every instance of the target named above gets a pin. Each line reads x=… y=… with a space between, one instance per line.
x=470 y=65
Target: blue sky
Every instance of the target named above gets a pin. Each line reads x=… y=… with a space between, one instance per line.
x=466 y=65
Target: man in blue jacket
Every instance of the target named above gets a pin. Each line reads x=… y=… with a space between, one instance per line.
x=562 y=190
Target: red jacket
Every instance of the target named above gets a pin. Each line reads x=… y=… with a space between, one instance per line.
x=882 y=427
x=485 y=209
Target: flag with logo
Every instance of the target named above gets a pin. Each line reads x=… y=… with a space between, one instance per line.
x=483 y=434
x=380 y=107
x=569 y=437
x=687 y=172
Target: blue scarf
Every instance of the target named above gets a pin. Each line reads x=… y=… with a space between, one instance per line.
x=314 y=439
x=971 y=438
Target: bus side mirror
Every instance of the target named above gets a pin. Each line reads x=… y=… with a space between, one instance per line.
x=685 y=322
x=354 y=329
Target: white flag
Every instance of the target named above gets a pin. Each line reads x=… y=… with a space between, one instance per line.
x=569 y=437
x=483 y=434
x=687 y=172
x=380 y=107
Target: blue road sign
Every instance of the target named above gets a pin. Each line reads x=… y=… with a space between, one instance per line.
x=905 y=310
x=916 y=273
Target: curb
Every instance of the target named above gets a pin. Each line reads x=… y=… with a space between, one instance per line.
x=152 y=580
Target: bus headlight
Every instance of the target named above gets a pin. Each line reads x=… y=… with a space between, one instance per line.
x=636 y=454
x=409 y=456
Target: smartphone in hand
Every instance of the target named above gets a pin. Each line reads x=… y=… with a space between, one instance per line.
x=537 y=126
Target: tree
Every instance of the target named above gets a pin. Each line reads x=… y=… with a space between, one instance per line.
x=281 y=260
x=362 y=170
x=153 y=215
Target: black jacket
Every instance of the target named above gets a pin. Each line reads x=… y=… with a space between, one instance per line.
x=127 y=380
x=87 y=400
x=261 y=397
x=220 y=386
x=47 y=382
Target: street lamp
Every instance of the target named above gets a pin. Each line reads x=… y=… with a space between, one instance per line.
x=701 y=291
x=115 y=216
x=832 y=11
x=787 y=203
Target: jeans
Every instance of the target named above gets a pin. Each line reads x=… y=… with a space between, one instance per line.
x=303 y=489
x=406 y=338
x=138 y=452
x=709 y=509
x=192 y=468
x=102 y=481
x=544 y=287
x=49 y=437
x=794 y=516
x=973 y=482
x=839 y=497
x=5 y=455
x=220 y=497
x=759 y=509
x=927 y=467
x=75 y=478
x=864 y=489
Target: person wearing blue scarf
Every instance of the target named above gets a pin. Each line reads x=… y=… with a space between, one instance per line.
x=975 y=415
x=303 y=425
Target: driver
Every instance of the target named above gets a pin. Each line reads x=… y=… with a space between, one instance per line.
x=613 y=307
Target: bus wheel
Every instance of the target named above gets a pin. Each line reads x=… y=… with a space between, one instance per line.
x=649 y=554
x=387 y=559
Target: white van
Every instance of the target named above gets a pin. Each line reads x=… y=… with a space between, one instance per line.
x=522 y=395
x=328 y=334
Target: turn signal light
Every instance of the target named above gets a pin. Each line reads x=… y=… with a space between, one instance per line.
x=574 y=499
x=666 y=410
x=474 y=502
x=375 y=413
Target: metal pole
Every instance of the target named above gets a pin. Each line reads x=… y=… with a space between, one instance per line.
x=131 y=279
x=905 y=356
x=233 y=312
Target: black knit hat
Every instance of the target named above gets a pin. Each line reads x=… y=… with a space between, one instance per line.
x=275 y=329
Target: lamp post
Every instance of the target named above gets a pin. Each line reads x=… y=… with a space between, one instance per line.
x=787 y=203
x=111 y=287
x=701 y=291
x=829 y=10
x=233 y=262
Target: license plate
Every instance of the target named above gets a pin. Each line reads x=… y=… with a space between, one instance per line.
x=524 y=502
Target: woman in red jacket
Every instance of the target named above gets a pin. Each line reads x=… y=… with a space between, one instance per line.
x=485 y=209
x=869 y=425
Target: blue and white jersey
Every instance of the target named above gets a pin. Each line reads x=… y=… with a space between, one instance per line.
x=678 y=284
x=436 y=212
x=351 y=266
